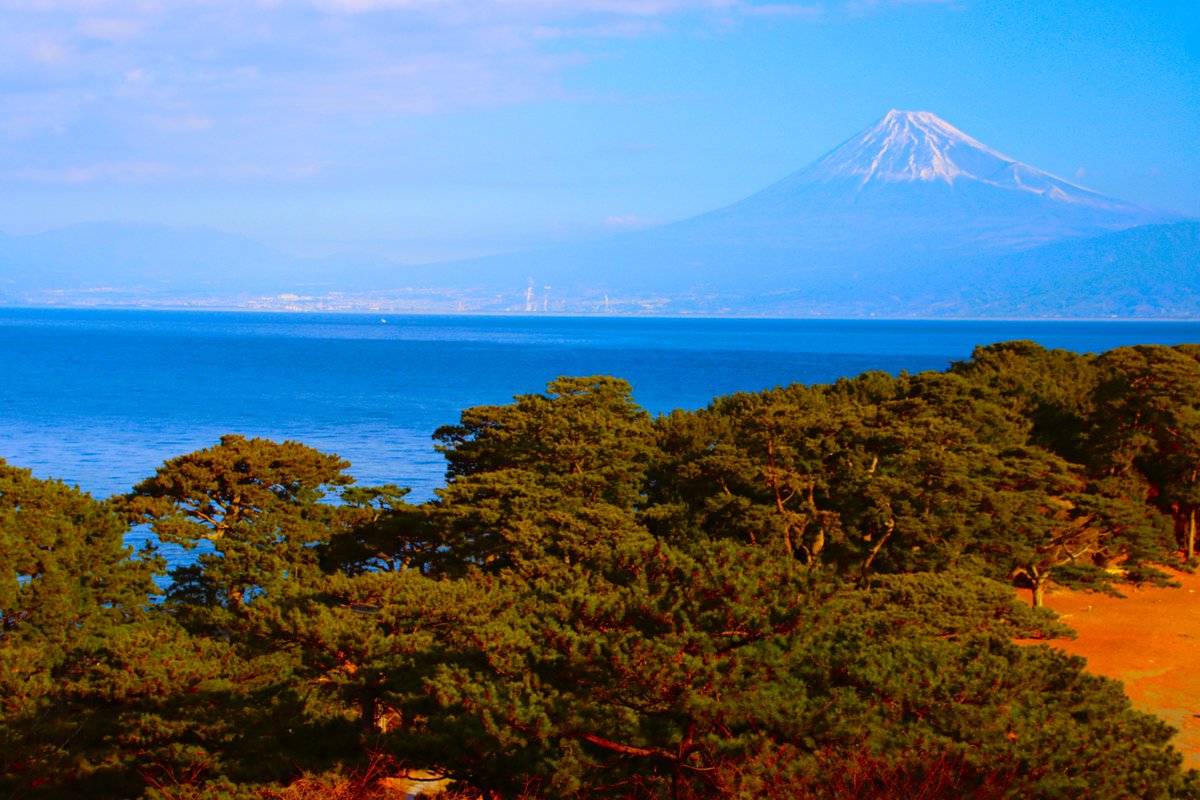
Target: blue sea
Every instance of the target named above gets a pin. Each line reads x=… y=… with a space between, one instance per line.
x=101 y=398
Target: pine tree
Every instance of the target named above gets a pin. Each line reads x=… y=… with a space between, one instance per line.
x=69 y=587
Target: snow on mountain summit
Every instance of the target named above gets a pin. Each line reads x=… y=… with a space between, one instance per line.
x=920 y=147
x=909 y=146
x=913 y=182
x=909 y=207
x=914 y=164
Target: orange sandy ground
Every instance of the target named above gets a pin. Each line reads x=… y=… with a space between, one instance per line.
x=1149 y=640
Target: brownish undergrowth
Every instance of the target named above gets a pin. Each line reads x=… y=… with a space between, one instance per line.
x=1150 y=640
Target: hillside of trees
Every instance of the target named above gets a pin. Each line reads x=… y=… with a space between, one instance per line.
x=806 y=592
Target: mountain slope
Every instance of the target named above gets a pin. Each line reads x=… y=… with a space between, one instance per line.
x=912 y=177
x=910 y=198
x=909 y=217
x=1148 y=271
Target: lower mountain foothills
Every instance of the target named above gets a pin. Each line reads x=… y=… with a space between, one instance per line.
x=804 y=593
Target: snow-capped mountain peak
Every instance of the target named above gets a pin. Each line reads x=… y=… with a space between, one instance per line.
x=917 y=148
x=913 y=178
x=911 y=146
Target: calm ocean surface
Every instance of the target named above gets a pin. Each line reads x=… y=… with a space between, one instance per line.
x=101 y=398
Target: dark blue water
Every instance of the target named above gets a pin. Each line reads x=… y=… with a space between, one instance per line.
x=101 y=398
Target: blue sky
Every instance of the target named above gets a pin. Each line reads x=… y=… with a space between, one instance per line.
x=427 y=129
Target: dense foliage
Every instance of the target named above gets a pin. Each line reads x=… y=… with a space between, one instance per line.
x=802 y=592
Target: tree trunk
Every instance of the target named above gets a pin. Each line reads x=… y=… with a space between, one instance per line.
x=686 y=745
x=1039 y=591
x=368 y=707
x=1191 y=535
x=866 y=567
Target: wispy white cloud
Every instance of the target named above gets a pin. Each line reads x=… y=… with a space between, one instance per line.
x=862 y=7
x=148 y=172
x=188 y=123
x=248 y=79
x=111 y=29
x=625 y=29
x=117 y=172
x=465 y=11
x=626 y=222
x=786 y=10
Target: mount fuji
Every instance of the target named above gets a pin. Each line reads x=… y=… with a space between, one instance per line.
x=910 y=217
x=914 y=178
x=905 y=218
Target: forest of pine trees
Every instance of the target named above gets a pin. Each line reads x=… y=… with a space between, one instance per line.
x=801 y=592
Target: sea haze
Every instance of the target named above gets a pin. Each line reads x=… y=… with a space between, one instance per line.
x=101 y=398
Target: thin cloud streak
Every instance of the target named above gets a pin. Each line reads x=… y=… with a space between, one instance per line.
x=214 y=81
x=120 y=173
x=147 y=172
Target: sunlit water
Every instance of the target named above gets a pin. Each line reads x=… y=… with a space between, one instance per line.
x=101 y=398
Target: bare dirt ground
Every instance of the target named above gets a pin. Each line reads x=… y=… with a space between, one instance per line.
x=1150 y=640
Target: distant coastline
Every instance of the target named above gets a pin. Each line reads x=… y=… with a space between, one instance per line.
x=320 y=306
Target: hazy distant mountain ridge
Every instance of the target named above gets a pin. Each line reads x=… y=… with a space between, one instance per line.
x=910 y=217
x=152 y=264
x=129 y=256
